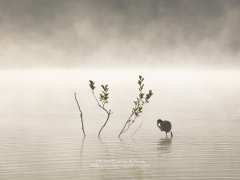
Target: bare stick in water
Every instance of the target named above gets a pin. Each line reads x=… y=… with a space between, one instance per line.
x=81 y=114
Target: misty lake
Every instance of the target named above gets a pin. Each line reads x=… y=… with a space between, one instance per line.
x=41 y=137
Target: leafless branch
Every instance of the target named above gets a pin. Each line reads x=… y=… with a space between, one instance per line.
x=81 y=114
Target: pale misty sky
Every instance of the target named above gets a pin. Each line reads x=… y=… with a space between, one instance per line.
x=112 y=33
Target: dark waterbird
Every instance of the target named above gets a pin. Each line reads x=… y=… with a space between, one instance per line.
x=165 y=126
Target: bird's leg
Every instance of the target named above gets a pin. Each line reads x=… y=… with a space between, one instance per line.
x=166 y=134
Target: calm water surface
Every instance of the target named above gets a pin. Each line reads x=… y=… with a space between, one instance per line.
x=41 y=138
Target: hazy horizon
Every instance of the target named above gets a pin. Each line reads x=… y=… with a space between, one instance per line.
x=73 y=34
x=188 y=54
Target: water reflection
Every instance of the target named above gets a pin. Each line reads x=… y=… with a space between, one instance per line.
x=100 y=140
x=40 y=136
x=165 y=145
x=82 y=146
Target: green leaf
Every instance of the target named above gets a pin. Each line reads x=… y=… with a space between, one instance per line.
x=150 y=92
x=92 y=86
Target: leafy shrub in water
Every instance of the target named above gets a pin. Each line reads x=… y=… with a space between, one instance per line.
x=102 y=101
x=137 y=109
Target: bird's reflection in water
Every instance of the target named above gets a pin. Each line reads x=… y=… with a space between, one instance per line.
x=165 y=145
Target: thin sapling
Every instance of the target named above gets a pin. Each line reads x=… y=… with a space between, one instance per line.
x=140 y=101
x=102 y=101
